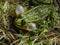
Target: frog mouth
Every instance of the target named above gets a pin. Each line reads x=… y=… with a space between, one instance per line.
x=22 y=27
x=25 y=27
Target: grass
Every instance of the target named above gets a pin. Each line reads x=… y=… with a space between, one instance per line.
x=43 y=37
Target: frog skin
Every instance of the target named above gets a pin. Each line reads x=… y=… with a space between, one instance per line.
x=37 y=14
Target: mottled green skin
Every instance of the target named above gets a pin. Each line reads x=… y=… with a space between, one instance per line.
x=39 y=13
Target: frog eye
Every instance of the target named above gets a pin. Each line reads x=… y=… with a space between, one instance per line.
x=19 y=10
x=31 y=26
x=23 y=22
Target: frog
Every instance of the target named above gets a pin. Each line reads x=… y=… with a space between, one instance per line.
x=37 y=17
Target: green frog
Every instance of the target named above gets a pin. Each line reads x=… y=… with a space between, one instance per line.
x=38 y=17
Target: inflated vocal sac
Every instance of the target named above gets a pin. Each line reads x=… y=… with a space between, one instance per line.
x=32 y=16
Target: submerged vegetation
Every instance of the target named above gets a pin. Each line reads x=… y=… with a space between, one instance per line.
x=29 y=22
